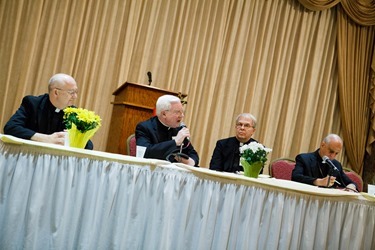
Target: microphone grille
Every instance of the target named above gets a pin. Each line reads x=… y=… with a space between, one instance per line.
x=325 y=158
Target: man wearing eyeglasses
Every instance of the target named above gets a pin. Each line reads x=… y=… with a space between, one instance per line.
x=164 y=136
x=226 y=155
x=40 y=118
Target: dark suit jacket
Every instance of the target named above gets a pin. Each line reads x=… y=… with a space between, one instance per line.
x=310 y=166
x=226 y=155
x=158 y=141
x=36 y=115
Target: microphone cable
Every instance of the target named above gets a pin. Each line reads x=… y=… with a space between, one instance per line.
x=178 y=153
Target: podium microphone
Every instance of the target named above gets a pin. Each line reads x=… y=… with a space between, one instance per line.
x=149 y=78
x=183 y=125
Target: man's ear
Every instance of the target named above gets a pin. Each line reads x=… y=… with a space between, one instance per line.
x=54 y=91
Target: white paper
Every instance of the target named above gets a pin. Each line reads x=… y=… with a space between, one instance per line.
x=140 y=151
x=66 y=142
x=371 y=189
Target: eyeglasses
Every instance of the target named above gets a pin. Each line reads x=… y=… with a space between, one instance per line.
x=245 y=125
x=70 y=92
x=176 y=112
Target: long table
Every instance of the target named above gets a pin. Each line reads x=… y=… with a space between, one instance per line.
x=55 y=197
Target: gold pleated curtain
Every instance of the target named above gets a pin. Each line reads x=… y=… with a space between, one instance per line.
x=292 y=67
x=355 y=40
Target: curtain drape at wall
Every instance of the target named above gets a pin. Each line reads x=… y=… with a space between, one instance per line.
x=362 y=12
x=371 y=137
x=354 y=45
x=275 y=59
x=356 y=20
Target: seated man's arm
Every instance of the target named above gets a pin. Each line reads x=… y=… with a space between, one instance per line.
x=347 y=182
x=17 y=124
x=24 y=119
x=216 y=159
x=154 y=149
x=161 y=150
x=193 y=156
x=301 y=172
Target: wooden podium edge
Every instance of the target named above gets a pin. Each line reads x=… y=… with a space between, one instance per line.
x=133 y=105
x=146 y=87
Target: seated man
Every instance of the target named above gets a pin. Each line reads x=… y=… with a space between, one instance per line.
x=226 y=155
x=312 y=169
x=40 y=118
x=164 y=136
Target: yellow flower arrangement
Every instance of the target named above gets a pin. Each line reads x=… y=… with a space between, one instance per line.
x=81 y=125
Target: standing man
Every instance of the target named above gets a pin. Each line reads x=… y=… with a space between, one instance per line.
x=226 y=155
x=40 y=118
x=312 y=169
x=164 y=136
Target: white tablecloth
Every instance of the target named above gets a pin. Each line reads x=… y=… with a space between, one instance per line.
x=53 y=197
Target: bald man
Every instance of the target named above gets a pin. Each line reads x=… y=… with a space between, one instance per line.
x=40 y=118
x=311 y=169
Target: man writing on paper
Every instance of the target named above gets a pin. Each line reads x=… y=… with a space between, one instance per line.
x=164 y=135
x=320 y=168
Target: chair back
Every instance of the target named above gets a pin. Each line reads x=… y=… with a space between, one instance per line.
x=131 y=145
x=356 y=179
x=282 y=168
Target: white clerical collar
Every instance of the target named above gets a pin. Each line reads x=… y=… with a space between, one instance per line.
x=57 y=110
x=164 y=124
x=241 y=144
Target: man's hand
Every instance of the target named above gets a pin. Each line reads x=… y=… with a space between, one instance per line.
x=55 y=138
x=351 y=188
x=181 y=135
x=327 y=181
x=189 y=161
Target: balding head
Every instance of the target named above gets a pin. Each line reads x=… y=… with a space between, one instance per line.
x=63 y=90
x=331 y=146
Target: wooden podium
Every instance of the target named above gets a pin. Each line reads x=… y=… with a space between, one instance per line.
x=133 y=103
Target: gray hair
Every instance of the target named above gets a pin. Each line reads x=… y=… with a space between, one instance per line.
x=248 y=115
x=332 y=137
x=58 y=80
x=164 y=103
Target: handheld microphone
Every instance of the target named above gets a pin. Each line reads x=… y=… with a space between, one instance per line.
x=183 y=125
x=149 y=77
x=327 y=160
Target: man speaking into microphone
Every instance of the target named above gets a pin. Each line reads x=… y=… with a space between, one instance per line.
x=320 y=168
x=165 y=136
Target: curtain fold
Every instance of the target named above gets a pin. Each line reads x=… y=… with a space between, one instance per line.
x=318 y=5
x=371 y=137
x=354 y=45
x=355 y=54
x=360 y=11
